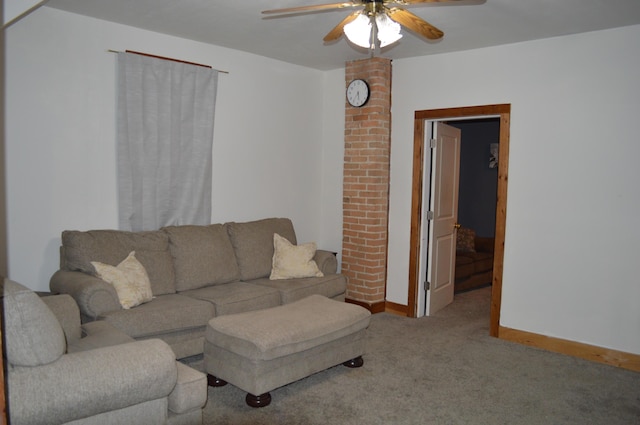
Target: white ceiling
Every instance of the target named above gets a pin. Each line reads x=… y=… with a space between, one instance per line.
x=467 y=24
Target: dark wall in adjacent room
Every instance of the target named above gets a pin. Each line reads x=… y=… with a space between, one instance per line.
x=478 y=182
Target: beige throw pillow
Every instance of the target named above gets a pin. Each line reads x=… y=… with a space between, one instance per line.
x=293 y=261
x=129 y=278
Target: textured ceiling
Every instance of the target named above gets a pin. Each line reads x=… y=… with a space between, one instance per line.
x=467 y=24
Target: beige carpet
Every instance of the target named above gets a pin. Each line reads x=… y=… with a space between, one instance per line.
x=444 y=370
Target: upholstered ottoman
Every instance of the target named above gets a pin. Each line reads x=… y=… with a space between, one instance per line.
x=262 y=350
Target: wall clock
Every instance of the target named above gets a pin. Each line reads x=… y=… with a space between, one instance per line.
x=357 y=93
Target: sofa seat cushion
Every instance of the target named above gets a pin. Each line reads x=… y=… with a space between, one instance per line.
x=202 y=256
x=483 y=262
x=165 y=313
x=79 y=249
x=236 y=297
x=98 y=334
x=464 y=266
x=292 y=290
x=479 y=261
x=253 y=244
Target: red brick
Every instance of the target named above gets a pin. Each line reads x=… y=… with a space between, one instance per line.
x=366 y=182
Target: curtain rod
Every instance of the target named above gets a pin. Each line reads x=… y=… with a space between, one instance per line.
x=168 y=59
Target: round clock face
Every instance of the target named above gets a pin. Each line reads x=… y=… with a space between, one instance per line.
x=357 y=92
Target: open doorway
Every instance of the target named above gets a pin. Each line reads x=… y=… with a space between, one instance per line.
x=503 y=113
x=477 y=198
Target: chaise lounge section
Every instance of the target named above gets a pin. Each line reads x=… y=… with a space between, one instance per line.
x=195 y=273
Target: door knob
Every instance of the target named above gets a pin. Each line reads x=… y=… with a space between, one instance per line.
x=457 y=225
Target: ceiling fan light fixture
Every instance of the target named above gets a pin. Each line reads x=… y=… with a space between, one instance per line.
x=359 y=31
x=388 y=30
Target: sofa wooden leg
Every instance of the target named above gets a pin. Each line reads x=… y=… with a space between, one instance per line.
x=353 y=363
x=258 y=400
x=212 y=381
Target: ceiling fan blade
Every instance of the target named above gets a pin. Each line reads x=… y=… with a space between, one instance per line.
x=314 y=8
x=414 y=23
x=336 y=32
x=405 y=2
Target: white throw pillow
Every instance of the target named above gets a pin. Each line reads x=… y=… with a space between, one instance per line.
x=293 y=261
x=129 y=278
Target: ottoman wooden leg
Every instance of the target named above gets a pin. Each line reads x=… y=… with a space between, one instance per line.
x=258 y=400
x=353 y=363
x=212 y=381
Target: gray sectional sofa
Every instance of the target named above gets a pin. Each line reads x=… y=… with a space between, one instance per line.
x=196 y=273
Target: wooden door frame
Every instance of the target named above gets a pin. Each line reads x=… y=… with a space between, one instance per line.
x=503 y=111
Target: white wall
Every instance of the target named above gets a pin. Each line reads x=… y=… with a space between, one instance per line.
x=333 y=159
x=570 y=266
x=60 y=127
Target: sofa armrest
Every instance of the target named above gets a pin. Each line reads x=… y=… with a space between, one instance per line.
x=87 y=383
x=483 y=244
x=326 y=261
x=66 y=311
x=93 y=295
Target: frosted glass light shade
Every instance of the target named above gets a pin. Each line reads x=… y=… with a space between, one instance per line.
x=359 y=31
x=388 y=30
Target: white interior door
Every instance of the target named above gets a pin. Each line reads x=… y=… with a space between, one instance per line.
x=442 y=215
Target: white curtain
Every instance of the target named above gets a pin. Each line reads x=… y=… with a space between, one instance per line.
x=165 y=137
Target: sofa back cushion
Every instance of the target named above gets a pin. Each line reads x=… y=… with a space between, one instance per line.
x=253 y=244
x=34 y=336
x=79 y=249
x=202 y=256
x=465 y=240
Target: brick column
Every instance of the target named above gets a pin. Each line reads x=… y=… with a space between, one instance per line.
x=367 y=137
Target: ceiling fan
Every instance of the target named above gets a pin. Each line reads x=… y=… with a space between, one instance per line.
x=376 y=23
